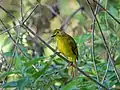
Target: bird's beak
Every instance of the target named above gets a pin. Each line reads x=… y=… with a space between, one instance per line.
x=53 y=35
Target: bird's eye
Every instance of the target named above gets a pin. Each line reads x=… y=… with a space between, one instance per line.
x=57 y=32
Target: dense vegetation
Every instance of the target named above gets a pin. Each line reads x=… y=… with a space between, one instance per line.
x=28 y=58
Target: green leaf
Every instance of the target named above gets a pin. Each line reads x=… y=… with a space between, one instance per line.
x=7 y=54
x=18 y=62
x=71 y=85
x=42 y=71
x=23 y=82
x=34 y=61
x=8 y=73
x=20 y=84
x=117 y=62
x=59 y=61
x=10 y=84
x=82 y=38
x=113 y=11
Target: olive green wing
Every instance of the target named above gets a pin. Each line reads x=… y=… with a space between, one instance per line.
x=73 y=45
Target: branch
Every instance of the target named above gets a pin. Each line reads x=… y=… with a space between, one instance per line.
x=107 y=12
x=69 y=18
x=6 y=30
x=53 y=49
x=105 y=43
x=93 y=52
x=21 y=7
x=10 y=36
x=30 y=14
x=64 y=58
x=12 y=16
x=108 y=63
x=53 y=11
x=7 y=11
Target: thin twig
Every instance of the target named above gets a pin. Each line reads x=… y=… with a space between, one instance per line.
x=53 y=11
x=65 y=58
x=15 y=48
x=20 y=23
x=107 y=11
x=78 y=1
x=30 y=13
x=12 y=16
x=21 y=6
x=4 y=31
x=13 y=39
x=105 y=43
x=108 y=63
x=106 y=21
x=13 y=55
x=7 y=11
x=93 y=53
x=62 y=58
x=69 y=18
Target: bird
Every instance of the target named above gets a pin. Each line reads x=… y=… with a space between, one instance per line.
x=68 y=47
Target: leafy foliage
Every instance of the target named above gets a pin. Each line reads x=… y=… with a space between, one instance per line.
x=28 y=64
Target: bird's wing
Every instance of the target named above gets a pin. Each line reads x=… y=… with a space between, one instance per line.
x=73 y=46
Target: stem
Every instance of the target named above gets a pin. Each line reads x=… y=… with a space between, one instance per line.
x=106 y=46
x=65 y=58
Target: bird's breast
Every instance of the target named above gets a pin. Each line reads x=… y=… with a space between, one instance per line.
x=64 y=47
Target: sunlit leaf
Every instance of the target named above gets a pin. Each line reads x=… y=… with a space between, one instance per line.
x=5 y=74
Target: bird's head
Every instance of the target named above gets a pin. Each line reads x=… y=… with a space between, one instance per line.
x=57 y=32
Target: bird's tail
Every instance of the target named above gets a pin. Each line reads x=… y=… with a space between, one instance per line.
x=72 y=71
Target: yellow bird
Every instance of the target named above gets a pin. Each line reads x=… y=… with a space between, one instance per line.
x=67 y=46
